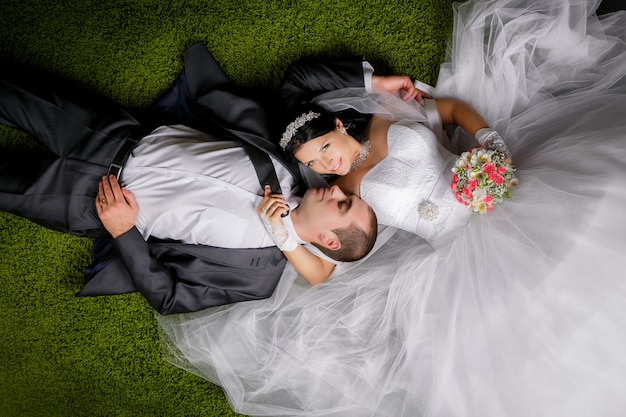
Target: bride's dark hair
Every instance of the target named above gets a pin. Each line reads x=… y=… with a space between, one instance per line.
x=321 y=125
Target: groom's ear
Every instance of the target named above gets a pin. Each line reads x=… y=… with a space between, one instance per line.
x=330 y=240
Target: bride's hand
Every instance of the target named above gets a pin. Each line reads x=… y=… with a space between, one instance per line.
x=498 y=145
x=491 y=140
x=271 y=210
x=273 y=207
x=392 y=83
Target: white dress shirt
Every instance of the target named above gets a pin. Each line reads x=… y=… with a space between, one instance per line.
x=199 y=190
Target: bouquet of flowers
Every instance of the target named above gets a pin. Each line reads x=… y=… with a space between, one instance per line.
x=482 y=178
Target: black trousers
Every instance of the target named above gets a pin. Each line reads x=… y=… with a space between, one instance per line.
x=82 y=133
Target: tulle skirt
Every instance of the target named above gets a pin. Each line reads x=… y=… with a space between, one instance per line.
x=523 y=314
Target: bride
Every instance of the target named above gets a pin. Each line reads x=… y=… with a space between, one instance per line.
x=515 y=313
x=400 y=168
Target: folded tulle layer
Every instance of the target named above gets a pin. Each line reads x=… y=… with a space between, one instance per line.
x=522 y=313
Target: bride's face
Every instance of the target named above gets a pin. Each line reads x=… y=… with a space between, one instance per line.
x=332 y=153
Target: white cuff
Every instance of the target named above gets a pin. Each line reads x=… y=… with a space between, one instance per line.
x=368 y=71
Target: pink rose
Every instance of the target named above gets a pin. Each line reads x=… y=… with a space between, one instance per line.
x=453 y=186
x=492 y=176
x=455 y=178
x=473 y=184
x=501 y=169
x=499 y=179
x=489 y=167
x=488 y=199
x=467 y=193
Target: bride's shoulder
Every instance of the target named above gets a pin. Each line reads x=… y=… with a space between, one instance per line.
x=377 y=126
x=377 y=122
x=376 y=133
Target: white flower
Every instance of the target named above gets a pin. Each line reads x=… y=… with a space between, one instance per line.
x=479 y=194
x=481 y=208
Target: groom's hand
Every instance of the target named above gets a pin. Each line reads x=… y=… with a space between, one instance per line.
x=116 y=206
x=403 y=83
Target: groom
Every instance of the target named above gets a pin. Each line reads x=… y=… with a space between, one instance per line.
x=89 y=138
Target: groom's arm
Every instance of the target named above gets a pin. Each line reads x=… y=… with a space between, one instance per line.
x=203 y=97
x=178 y=278
x=306 y=79
x=174 y=278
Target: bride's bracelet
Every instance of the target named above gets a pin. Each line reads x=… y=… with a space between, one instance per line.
x=279 y=234
x=289 y=245
x=490 y=139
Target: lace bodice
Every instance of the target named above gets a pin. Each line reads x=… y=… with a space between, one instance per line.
x=410 y=188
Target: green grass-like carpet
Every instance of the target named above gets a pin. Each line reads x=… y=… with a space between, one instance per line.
x=66 y=356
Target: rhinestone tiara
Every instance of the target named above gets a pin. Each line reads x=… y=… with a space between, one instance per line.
x=293 y=127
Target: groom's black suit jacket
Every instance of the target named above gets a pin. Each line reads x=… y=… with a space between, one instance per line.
x=176 y=277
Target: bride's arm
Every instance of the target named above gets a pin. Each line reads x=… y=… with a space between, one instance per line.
x=313 y=268
x=459 y=112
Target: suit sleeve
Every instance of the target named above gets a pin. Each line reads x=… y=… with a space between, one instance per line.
x=304 y=80
x=203 y=97
x=174 y=279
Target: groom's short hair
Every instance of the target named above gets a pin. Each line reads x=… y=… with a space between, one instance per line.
x=356 y=242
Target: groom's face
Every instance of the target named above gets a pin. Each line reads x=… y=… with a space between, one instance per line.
x=330 y=209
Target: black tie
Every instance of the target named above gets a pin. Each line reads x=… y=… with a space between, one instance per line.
x=264 y=168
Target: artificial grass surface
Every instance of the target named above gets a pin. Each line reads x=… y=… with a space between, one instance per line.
x=67 y=356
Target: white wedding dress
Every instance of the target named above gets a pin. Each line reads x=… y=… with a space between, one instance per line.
x=410 y=188
x=519 y=312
